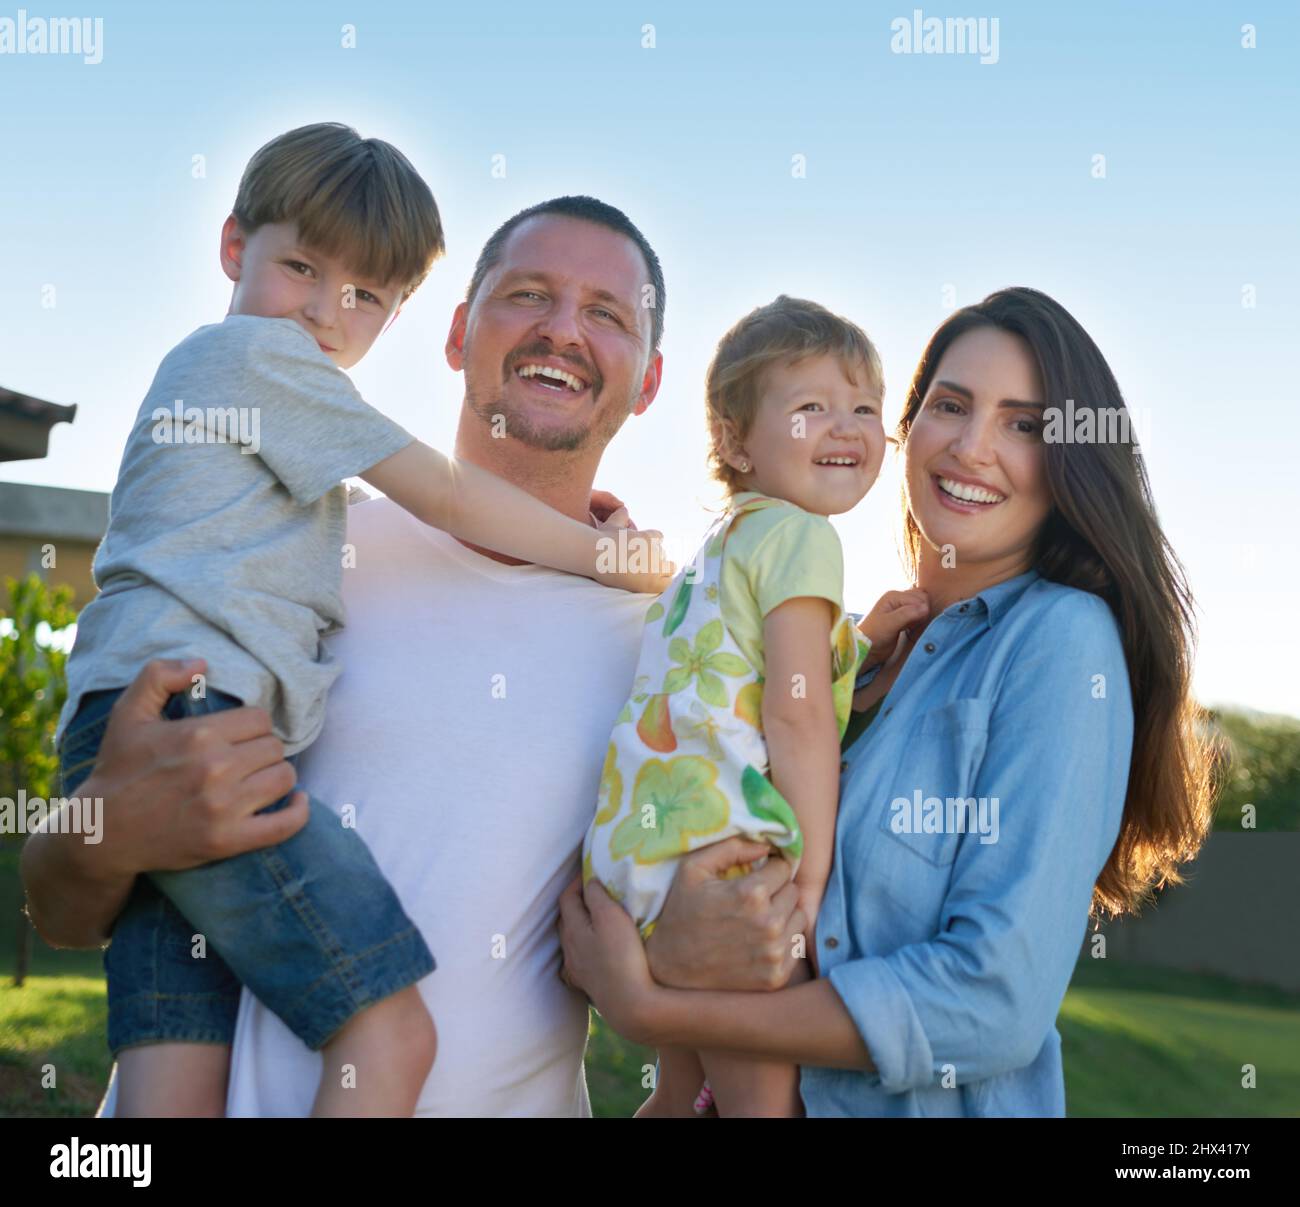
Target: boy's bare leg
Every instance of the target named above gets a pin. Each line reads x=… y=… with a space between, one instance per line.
x=378 y=1062
x=679 y=1081
x=172 y=1080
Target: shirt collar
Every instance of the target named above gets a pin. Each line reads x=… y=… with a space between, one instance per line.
x=1001 y=597
x=997 y=601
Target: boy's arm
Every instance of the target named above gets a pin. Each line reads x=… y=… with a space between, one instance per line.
x=801 y=732
x=477 y=506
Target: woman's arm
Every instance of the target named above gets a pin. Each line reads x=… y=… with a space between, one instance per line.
x=475 y=505
x=604 y=956
x=980 y=997
x=799 y=727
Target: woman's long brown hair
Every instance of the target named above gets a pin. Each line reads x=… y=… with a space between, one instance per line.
x=1102 y=536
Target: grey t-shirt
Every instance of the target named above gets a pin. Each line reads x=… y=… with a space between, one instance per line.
x=227 y=525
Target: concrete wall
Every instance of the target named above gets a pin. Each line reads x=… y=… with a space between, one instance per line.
x=1237 y=915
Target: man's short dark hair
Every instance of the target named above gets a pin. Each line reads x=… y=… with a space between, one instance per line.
x=589 y=210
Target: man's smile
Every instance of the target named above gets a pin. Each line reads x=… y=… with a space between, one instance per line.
x=552 y=377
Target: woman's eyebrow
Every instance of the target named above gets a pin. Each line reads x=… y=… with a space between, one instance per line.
x=1012 y=403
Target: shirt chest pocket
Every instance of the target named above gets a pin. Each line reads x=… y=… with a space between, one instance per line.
x=929 y=806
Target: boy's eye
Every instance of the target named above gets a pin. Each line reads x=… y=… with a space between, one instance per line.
x=297 y=264
x=866 y=409
x=806 y=405
x=367 y=296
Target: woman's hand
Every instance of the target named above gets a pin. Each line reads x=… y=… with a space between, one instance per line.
x=605 y=958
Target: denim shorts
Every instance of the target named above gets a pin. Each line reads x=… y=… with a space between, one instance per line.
x=310 y=925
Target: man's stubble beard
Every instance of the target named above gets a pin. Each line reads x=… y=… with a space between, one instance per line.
x=573 y=438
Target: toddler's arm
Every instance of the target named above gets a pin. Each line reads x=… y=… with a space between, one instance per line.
x=477 y=506
x=802 y=735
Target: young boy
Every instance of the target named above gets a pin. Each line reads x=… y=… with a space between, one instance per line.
x=226 y=542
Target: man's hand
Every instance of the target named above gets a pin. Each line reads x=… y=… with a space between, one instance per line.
x=610 y=511
x=895 y=612
x=176 y=794
x=182 y=793
x=717 y=933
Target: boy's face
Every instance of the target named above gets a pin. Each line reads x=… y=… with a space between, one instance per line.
x=276 y=277
x=817 y=439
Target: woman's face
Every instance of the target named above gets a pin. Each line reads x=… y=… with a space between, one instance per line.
x=974 y=460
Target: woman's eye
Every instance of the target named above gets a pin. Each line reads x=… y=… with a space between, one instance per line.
x=940 y=403
x=1029 y=427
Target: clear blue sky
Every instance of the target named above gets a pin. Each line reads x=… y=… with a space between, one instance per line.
x=923 y=171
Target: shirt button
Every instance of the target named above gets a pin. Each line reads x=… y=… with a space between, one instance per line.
x=929 y=647
x=844 y=764
x=963 y=607
x=832 y=941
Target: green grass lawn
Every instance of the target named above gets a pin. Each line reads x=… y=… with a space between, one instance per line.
x=1137 y=1041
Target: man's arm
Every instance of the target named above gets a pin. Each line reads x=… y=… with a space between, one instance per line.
x=727 y=934
x=176 y=794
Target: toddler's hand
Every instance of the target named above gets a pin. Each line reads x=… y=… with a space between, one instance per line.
x=634 y=561
x=894 y=613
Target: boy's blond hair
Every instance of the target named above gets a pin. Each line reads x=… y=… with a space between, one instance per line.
x=356 y=199
x=782 y=332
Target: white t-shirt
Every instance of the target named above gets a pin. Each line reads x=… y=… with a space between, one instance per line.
x=468 y=730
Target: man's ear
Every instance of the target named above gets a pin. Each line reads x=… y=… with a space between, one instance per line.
x=654 y=375
x=455 y=348
x=231 y=251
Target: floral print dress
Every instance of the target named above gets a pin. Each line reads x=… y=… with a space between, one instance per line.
x=687 y=764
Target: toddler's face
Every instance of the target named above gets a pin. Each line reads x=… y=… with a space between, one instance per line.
x=276 y=277
x=817 y=439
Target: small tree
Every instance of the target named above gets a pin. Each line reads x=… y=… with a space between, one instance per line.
x=32 y=692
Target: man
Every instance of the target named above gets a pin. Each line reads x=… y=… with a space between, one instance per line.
x=469 y=727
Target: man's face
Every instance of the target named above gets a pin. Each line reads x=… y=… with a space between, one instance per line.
x=556 y=346
x=276 y=277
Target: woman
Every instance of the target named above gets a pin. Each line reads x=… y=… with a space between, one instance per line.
x=1027 y=762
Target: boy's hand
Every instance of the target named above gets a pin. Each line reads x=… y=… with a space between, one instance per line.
x=895 y=613
x=634 y=561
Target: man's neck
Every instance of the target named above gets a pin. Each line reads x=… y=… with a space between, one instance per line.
x=560 y=480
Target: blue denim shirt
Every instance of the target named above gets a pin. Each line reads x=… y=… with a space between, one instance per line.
x=953 y=950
